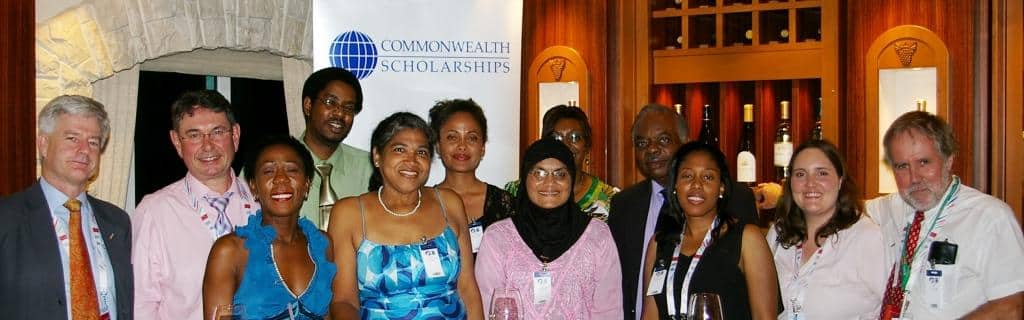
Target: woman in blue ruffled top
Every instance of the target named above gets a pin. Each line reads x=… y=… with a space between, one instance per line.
x=403 y=248
x=278 y=266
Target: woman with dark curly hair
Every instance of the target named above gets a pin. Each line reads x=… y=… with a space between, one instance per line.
x=826 y=250
x=700 y=248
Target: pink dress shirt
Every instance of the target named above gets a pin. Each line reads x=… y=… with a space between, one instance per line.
x=170 y=246
x=586 y=281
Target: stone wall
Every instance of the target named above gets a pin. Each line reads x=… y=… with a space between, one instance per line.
x=100 y=37
x=95 y=48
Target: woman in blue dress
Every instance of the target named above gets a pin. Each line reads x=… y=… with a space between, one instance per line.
x=403 y=249
x=278 y=266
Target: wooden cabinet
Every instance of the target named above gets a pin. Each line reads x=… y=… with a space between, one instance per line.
x=727 y=53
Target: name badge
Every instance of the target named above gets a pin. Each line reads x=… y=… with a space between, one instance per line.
x=657 y=284
x=541 y=287
x=934 y=287
x=476 y=234
x=431 y=259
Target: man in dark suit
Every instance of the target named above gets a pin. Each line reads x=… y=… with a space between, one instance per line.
x=65 y=254
x=657 y=133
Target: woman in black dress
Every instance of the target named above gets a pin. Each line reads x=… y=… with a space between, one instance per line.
x=699 y=248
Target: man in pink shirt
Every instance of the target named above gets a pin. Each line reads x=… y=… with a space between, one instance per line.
x=175 y=227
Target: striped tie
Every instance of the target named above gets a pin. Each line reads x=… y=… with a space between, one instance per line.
x=84 y=302
x=223 y=223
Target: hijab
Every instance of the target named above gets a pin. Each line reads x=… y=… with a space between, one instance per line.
x=548 y=232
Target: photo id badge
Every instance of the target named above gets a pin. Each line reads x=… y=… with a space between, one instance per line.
x=934 y=286
x=541 y=287
x=431 y=259
x=657 y=281
x=476 y=234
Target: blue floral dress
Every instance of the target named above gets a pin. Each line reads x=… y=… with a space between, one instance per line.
x=262 y=291
x=393 y=280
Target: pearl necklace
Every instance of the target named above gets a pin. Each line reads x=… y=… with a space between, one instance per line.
x=419 y=201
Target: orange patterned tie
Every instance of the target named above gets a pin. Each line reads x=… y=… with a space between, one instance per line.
x=84 y=303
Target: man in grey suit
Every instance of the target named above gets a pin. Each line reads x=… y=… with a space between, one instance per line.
x=63 y=253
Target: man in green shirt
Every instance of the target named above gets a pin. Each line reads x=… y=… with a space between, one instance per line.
x=331 y=98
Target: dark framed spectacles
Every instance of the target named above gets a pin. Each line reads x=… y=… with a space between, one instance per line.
x=335 y=104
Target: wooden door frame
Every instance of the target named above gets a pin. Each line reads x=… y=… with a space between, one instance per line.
x=1007 y=76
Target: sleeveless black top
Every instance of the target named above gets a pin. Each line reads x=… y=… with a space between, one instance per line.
x=718 y=272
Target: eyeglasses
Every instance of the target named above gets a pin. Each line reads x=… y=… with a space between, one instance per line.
x=560 y=174
x=196 y=137
x=572 y=137
x=641 y=142
x=334 y=104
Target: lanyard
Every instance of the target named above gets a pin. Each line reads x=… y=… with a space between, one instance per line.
x=97 y=257
x=208 y=221
x=924 y=244
x=670 y=300
x=801 y=278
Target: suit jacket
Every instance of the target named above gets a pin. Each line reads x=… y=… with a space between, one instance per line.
x=31 y=275
x=628 y=217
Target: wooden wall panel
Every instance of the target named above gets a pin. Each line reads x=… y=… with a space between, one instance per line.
x=582 y=25
x=17 y=95
x=954 y=22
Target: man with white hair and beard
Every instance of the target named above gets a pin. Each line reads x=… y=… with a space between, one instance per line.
x=175 y=227
x=956 y=252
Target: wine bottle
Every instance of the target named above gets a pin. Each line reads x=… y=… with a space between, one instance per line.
x=783 y=143
x=707 y=130
x=816 y=131
x=746 y=163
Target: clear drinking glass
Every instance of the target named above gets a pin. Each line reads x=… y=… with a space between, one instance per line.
x=228 y=312
x=704 y=306
x=505 y=304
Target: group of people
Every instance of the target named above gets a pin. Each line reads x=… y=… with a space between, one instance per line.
x=570 y=245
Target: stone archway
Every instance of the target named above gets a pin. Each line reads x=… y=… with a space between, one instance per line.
x=95 y=48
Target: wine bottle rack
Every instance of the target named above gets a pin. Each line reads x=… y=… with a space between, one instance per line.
x=742 y=23
x=727 y=100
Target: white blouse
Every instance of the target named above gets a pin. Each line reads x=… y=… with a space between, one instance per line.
x=845 y=279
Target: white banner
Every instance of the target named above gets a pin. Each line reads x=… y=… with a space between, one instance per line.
x=410 y=54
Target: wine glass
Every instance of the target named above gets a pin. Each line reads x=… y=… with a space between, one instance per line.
x=704 y=306
x=228 y=312
x=505 y=304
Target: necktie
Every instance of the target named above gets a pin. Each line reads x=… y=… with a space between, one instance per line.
x=327 y=195
x=84 y=302
x=223 y=224
x=893 y=301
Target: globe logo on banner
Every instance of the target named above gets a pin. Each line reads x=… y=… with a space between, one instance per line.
x=355 y=52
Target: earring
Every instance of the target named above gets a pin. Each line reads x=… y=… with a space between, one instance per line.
x=720 y=196
x=376 y=163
